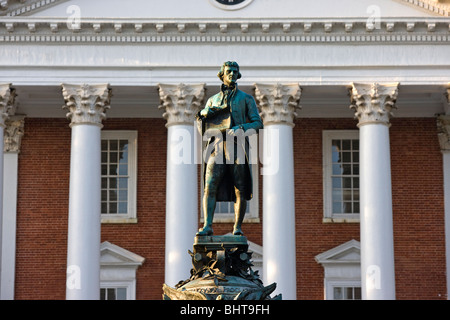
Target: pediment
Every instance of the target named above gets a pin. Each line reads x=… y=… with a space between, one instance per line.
x=348 y=252
x=111 y=254
x=182 y=9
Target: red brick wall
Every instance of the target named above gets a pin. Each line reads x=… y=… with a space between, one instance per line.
x=44 y=165
x=418 y=211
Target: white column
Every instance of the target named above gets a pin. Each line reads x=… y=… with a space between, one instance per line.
x=373 y=104
x=12 y=140
x=87 y=105
x=443 y=124
x=7 y=97
x=278 y=104
x=180 y=104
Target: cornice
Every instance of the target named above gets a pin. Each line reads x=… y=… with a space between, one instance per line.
x=348 y=30
x=10 y=8
x=442 y=9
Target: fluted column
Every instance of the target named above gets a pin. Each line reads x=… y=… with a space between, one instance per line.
x=373 y=104
x=14 y=131
x=86 y=105
x=278 y=104
x=443 y=126
x=180 y=103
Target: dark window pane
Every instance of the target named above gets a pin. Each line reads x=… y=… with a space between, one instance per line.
x=102 y=294
x=111 y=294
x=112 y=195
x=113 y=169
x=104 y=145
x=113 y=145
x=347 y=169
x=346 y=145
x=347 y=182
x=113 y=157
x=113 y=207
x=113 y=183
x=123 y=145
x=104 y=157
x=346 y=157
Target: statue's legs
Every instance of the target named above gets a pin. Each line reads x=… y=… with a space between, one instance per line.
x=213 y=176
x=240 y=206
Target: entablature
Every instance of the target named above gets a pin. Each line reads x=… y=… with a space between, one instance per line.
x=136 y=30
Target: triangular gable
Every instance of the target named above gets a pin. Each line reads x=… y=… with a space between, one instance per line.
x=348 y=253
x=112 y=255
x=179 y=9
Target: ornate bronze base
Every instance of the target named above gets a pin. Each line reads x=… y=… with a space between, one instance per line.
x=221 y=271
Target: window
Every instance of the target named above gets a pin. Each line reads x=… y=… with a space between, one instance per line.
x=346 y=293
x=118 y=200
x=341 y=175
x=113 y=293
x=118 y=268
x=342 y=271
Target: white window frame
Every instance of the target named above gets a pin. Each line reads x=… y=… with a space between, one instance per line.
x=131 y=215
x=331 y=284
x=342 y=267
x=129 y=285
x=327 y=137
x=118 y=268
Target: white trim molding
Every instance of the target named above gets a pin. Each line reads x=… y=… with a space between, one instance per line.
x=250 y=30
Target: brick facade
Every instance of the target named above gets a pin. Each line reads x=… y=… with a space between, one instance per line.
x=43 y=192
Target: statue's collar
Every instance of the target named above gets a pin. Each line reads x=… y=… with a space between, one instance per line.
x=225 y=88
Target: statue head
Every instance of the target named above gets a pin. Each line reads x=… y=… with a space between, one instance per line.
x=229 y=64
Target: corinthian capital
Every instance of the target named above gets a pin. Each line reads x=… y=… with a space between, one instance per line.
x=373 y=103
x=181 y=102
x=87 y=104
x=278 y=103
x=443 y=128
x=7 y=102
x=14 y=131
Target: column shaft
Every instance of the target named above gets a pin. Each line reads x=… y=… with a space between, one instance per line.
x=373 y=104
x=376 y=228
x=180 y=103
x=279 y=211
x=7 y=108
x=278 y=104
x=87 y=105
x=446 y=164
x=83 y=253
x=181 y=203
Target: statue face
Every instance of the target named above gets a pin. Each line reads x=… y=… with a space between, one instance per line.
x=230 y=75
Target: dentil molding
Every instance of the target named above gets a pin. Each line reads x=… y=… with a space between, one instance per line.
x=87 y=104
x=251 y=30
x=181 y=102
x=278 y=103
x=373 y=103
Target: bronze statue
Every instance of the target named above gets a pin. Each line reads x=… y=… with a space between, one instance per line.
x=230 y=111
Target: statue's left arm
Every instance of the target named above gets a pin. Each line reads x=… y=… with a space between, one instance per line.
x=254 y=120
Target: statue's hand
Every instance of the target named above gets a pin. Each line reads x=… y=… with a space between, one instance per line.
x=200 y=115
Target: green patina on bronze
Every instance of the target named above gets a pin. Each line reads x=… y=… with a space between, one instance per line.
x=227 y=113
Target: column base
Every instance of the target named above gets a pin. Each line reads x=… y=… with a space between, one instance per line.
x=221 y=271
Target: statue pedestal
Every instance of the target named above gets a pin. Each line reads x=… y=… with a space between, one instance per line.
x=221 y=271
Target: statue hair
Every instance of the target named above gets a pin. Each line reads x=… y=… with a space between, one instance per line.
x=229 y=64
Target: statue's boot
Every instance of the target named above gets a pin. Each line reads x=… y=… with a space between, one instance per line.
x=239 y=217
x=207 y=229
